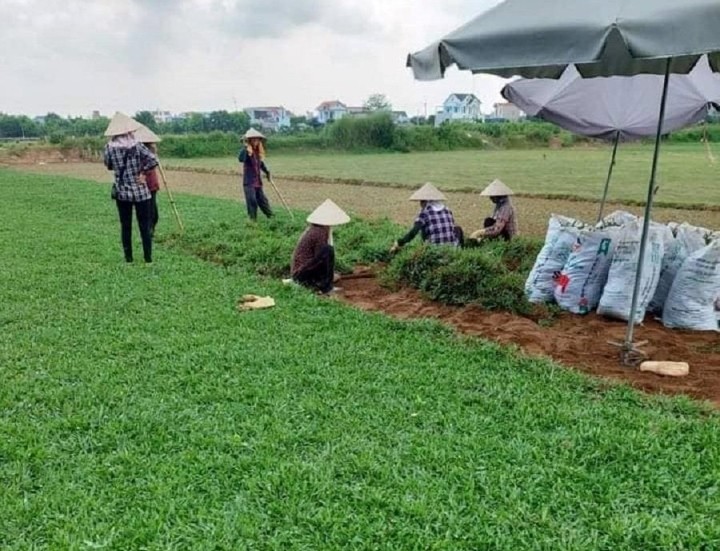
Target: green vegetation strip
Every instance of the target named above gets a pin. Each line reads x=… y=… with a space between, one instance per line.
x=140 y=410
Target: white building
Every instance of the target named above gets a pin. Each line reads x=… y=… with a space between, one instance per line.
x=507 y=111
x=459 y=107
x=331 y=111
x=269 y=118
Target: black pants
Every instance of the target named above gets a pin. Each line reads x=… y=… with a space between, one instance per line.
x=319 y=275
x=155 y=214
x=143 y=212
x=255 y=197
x=460 y=234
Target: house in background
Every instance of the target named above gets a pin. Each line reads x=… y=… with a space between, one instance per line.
x=269 y=118
x=459 y=107
x=400 y=117
x=162 y=117
x=358 y=111
x=507 y=111
x=329 y=111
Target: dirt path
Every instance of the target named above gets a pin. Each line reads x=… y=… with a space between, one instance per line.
x=572 y=341
x=373 y=201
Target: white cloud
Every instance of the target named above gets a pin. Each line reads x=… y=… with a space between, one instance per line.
x=73 y=56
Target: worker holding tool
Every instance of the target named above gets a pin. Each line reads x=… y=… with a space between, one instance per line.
x=252 y=157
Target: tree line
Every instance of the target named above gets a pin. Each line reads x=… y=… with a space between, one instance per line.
x=56 y=128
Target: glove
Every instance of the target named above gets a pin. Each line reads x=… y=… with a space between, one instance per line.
x=479 y=234
x=395 y=248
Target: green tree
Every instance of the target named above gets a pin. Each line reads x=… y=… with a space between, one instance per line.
x=146 y=118
x=377 y=102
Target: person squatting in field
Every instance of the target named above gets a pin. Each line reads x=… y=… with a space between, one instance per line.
x=129 y=159
x=502 y=224
x=252 y=158
x=313 y=261
x=149 y=139
x=435 y=222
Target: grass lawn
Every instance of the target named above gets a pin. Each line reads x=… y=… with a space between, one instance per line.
x=685 y=175
x=139 y=410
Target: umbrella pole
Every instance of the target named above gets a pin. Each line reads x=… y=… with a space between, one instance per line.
x=609 y=176
x=172 y=201
x=630 y=355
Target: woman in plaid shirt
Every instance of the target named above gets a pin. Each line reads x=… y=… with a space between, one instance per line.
x=129 y=159
x=435 y=223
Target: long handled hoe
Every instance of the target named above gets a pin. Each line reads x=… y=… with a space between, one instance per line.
x=292 y=217
x=172 y=201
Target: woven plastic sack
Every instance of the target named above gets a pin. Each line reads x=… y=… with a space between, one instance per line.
x=561 y=235
x=580 y=284
x=617 y=219
x=617 y=296
x=687 y=240
x=691 y=302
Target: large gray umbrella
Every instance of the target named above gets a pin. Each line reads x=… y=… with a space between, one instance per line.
x=602 y=38
x=622 y=107
x=617 y=108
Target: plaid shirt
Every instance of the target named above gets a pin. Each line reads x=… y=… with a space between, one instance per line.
x=505 y=223
x=139 y=159
x=437 y=226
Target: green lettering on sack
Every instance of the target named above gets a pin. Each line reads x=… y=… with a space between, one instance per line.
x=604 y=247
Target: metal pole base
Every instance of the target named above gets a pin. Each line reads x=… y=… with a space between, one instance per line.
x=631 y=354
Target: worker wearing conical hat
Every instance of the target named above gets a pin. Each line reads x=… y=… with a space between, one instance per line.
x=503 y=223
x=313 y=261
x=252 y=158
x=435 y=222
x=130 y=159
x=150 y=140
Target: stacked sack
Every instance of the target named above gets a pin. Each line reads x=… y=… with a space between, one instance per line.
x=693 y=299
x=582 y=268
x=561 y=236
x=617 y=295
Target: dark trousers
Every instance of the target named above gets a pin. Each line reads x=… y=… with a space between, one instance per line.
x=460 y=234
x=319 y=275
x=154 y=214
x=143 y=212
x=255 y=197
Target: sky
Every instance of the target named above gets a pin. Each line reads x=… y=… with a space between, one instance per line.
x=72 y=57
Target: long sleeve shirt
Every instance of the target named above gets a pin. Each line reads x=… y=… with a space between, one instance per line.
x=309 y=245
x=128 y=163
x=252 y=167
x=436 y=224
x=505 y=224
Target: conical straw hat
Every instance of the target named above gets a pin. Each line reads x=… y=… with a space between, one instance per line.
x=145 y=135
x=427 y=193
x=252 y=133
x=121 y=124
x=328 y=214
x=497 y=189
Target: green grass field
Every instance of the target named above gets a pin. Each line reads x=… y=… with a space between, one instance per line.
x=686 y=174
x=139 y=410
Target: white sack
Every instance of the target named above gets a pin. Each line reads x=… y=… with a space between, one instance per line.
x=691 y=302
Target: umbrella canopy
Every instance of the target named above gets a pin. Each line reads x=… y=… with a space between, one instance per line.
x=602 y=37
x=624 y=107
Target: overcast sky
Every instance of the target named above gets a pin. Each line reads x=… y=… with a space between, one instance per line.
x=74 y=56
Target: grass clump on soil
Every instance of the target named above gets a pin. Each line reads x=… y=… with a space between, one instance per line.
x=491 y=275
x=140 y=410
